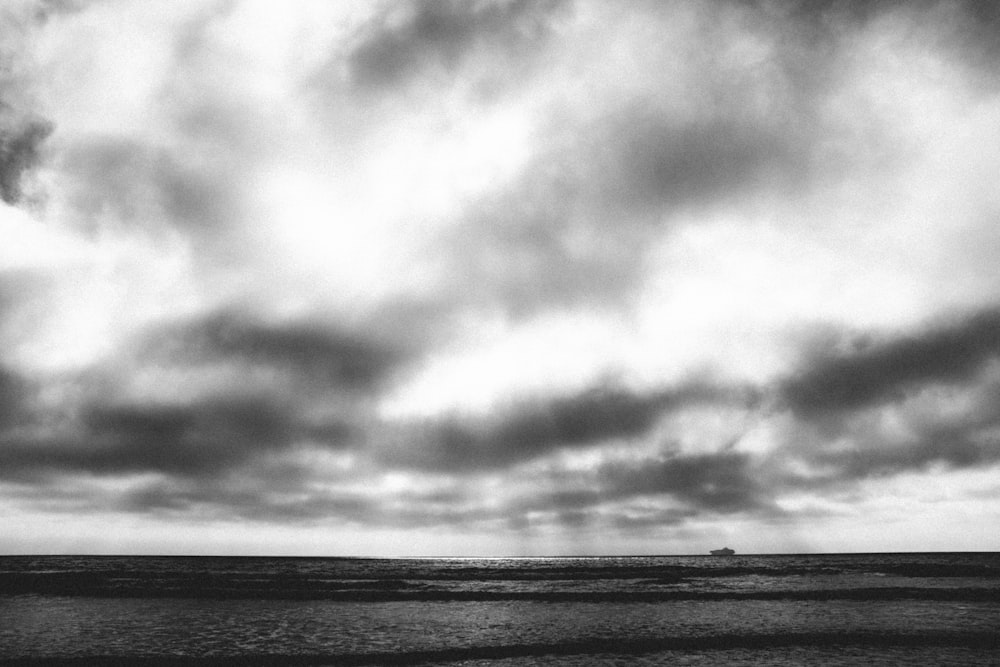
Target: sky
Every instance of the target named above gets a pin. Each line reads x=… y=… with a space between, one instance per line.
x=499 y=277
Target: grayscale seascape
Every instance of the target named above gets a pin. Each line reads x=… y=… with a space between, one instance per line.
x=312 y=291
x=934 y=608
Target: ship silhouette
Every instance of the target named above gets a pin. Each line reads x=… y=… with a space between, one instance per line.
x=724 y=551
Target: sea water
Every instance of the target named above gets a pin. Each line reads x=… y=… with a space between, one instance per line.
x=788 y=609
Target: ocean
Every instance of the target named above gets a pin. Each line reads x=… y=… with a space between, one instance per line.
x=832 y=609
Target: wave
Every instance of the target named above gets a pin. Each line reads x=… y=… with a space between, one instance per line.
x=84 y=585
x=981 y=641
x=285 y=571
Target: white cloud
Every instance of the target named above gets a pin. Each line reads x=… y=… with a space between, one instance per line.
x=399 y=243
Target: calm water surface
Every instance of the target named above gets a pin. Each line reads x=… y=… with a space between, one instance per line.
x=820 y=609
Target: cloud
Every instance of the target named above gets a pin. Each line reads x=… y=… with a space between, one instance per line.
x=45 y=9
x=331 y=354
x=23 y=129
x=20 y=147
x=437 y=35
x=645 y=492
x=248 y=498
x=13 y=395
x=697 y=160
x=530 y=430
x=937 y=430
x=615 y=173
x=16 y=389
x=208 y=438
x=964 y=31
x=123 y=181
x=271 y=237
x=952 y=448
x=922 y=401
x=672 y=489
x=576 y=227
x=190 y=400
x=724 y=482
x=870 y=372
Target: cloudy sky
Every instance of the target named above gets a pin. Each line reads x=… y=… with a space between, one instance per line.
x=499 y=277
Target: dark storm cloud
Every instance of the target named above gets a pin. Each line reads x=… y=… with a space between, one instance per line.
x=562 y=500
x=952 y=448
x=248 y=499
x=260 y=497
x=380 y=512
x=632 y=493
x=699 y=485
x=145 y=185
x=723 y=482
x=601 y=414
x=881 y=405
x=859 y=446
x=652 y=520
x=411 y=38
x=881 y=371
x=13 y=394
x=208 y=438
x=326 y=353
x=532 y=430
x=20 y=145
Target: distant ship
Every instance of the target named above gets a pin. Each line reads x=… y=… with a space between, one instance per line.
x=724 y=551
